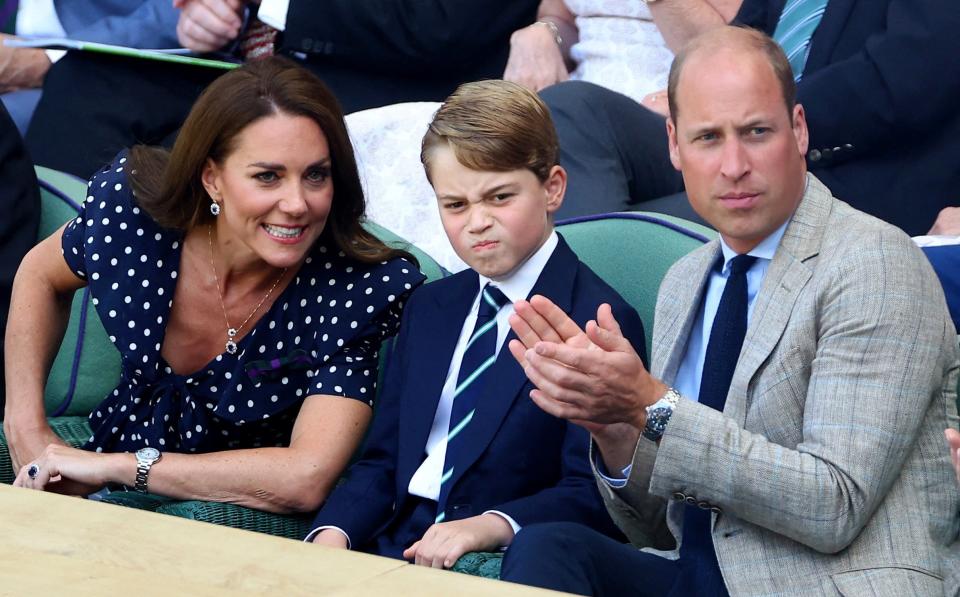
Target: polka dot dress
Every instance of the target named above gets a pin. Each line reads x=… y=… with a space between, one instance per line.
x=321 y=336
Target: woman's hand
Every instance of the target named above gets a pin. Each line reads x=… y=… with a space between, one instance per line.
x=27 y=443
x=444 y=543
x=68 y=470
x=535 y=61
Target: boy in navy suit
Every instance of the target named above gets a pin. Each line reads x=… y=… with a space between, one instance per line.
x=459 y=458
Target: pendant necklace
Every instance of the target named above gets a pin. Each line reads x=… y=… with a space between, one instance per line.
x=231 y=345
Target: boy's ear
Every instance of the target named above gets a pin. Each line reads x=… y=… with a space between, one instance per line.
x=555 y=187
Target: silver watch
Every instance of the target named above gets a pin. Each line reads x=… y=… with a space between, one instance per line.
x=146 y=457
x=659 y=413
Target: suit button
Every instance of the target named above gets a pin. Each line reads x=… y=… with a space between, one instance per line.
x=827 y=153
x=703 y=505
x=691 y=500
x=678 y=496
x=814 y=155
x=847 y=146
x=716 y=510
x=306 y=44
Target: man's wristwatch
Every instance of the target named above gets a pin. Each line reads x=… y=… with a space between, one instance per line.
x=146 y=457
x=659 y=413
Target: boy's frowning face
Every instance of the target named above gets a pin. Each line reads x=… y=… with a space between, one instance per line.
x=494 y=220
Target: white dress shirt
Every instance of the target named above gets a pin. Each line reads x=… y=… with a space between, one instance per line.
x=274 y=13
x=38 y=18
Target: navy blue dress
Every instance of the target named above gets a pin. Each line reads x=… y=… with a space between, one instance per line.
x=320 y=336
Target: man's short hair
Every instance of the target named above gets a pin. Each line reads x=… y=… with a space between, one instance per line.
x=494 y=126
x=744 y=38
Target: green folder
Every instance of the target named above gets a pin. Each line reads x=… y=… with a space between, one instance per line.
x=179 y=55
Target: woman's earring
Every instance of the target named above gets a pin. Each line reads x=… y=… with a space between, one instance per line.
x=214 y=208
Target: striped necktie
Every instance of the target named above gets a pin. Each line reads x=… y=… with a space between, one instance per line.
x=479 y=356
x=798 y=21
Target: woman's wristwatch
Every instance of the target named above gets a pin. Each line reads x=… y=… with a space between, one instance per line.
x=659 y=413
x=146 y=457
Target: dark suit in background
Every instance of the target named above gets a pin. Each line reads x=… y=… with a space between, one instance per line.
x=520 y=461
x=880 y=90
x=370 y=53
x=20 y=206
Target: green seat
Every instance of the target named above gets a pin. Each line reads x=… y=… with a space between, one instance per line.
x=87 y=368
x=631 y=252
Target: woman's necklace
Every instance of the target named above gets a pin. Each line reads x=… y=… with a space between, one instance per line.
x=232 y=332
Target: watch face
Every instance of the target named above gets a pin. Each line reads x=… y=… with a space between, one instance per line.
x=148 y=453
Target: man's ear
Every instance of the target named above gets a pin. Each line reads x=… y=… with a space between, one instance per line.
x=672 y=143
x=800 y=130
x=555 y=187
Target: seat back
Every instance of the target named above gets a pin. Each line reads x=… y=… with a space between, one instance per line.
x=632 y=252
x=87 y=367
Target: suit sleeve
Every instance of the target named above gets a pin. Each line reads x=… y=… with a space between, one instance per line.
x=153 y=24
x=877 y=363
x=404 y=36
x=364 y=501
x=898 y=85
x=575 y=498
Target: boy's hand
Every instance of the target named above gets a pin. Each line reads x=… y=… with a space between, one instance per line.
x=444 y=543
x=331 y=538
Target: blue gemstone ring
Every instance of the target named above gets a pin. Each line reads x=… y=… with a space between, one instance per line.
x=33 y=471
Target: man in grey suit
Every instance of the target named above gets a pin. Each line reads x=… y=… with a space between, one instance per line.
x=813 y=366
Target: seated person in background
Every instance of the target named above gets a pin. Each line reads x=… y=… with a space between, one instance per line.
x=248 y=303
x=613 y=44
x=369 y=54
x=814 y=367
x=458 y=458
x=132 y=23
x=862 y=68
x=20 y=206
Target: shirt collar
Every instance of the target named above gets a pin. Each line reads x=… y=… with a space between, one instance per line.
x=518 y=285
x=764 y=250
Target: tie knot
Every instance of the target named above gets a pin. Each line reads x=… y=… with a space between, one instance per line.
x=740 y=264
x=492 y=300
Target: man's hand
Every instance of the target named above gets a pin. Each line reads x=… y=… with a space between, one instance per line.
x=208 y=25
x=948 y=222
x=953 y=440
x=657 y=102
x=21 y=68
x=592 y=378
x=535 y=58
x=331 y=538
x=444 y=543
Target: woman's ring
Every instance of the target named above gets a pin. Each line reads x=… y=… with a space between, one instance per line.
x=33 y=471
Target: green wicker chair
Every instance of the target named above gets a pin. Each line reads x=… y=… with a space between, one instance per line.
x=88 y=367
x=631 y=252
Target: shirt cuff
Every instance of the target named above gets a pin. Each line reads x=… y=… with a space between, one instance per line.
x=312 y=534
x=55 y=55
x=513 y=523
x=615 y=482
x=274 y=13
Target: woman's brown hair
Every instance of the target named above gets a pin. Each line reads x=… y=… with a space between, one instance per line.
x=167 y=184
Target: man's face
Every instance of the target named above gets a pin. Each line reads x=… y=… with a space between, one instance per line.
x=494 y=220
x=741 y=153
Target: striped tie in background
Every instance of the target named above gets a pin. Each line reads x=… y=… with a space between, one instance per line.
x=480 y=354
x=798 y=21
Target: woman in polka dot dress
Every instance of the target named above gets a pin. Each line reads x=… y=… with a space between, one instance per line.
x=246 y=300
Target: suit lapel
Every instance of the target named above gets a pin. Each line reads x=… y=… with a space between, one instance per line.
x=435 y=343
x=506 y=378
x=677 y=312
x=783 y=283
x=828 y=33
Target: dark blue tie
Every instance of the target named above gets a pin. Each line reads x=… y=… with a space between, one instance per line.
x=478 y=357
x=698 y=558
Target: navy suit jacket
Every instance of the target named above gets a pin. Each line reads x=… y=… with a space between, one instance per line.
x=521 y=461
x=880 y=90
x=133 y=23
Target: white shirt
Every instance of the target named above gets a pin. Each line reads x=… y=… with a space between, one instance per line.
x=38 y=18
x=274 y=13
x=425 y=482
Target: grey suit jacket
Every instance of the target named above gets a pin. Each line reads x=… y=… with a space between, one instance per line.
x=827 y=471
